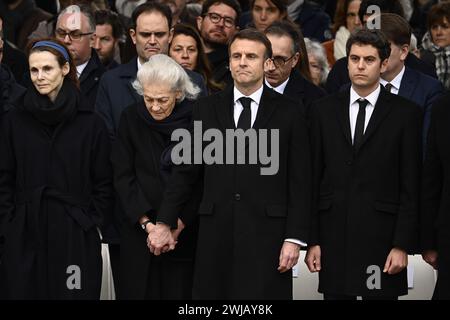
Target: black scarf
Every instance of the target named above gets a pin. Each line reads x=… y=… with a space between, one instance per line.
x=53 y=113
x=179 y=118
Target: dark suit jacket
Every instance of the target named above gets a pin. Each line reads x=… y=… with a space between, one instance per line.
x=90 y=78
x=338 y=75
x=435 y=204
x=246 y=216
x=422 y=90
x=115 y=93
x=300 y=89
x=365 y=202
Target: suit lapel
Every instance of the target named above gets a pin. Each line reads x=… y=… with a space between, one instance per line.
x=342 y=111
x=224 y=108
x=382 y=109
x=406 y=89
x=266 y=107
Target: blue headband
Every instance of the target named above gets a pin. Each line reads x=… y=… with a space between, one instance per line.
x=53 y=45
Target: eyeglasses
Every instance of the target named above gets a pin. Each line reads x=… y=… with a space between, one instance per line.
x=281 y=61
x=74 y=35
x=215 y=18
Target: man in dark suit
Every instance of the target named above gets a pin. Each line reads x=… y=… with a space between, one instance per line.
x=151 y=34
x=404 y=81
x=435 y=204
x=252 y=225
x=366 y=163
x=283 y=75
x=76 y=27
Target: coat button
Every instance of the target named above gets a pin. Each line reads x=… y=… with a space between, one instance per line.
x=237 y=197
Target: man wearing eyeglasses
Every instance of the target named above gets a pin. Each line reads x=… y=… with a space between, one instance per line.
x=283 y=75
x=76 y=27
x=217 y=24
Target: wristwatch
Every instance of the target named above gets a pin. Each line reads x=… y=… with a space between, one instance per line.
x=144 y=224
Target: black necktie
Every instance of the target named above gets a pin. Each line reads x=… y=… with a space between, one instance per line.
x=360 y=121
x=245 y=118
x=388 y=87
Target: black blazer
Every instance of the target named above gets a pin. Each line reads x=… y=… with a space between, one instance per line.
x=246 y=216
x=435 y=195
x=365 y=202
x=90 y=78
x=300 y=89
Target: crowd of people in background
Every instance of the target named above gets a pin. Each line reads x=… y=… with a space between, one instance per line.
x=92 y=92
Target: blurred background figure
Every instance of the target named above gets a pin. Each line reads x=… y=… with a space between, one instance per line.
x=109 y=33
x=346 y=19
x=436 y=42
x=266 y=12
x=318 y=63
x=20 y=18
x=186 y=48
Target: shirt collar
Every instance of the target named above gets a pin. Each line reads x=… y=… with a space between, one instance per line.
x=139 y=64
x=396 y=82
x=280 y=88
x=255 y=96
x=372 y=97
x=81 y=68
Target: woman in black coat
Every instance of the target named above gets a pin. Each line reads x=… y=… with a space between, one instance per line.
x=142 y=165
x=55 y=184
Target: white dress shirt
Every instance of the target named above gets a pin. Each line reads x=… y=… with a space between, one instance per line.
x=255 y=96
x=396 y=82
x=80 y=69
x=354 y=107
x=280 y=88
x=256 y=99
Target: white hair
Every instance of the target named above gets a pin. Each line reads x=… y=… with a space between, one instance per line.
x=160 y=68
x=315 y=49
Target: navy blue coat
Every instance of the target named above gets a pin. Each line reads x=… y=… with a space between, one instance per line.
x=90 y=78
x=423 y=90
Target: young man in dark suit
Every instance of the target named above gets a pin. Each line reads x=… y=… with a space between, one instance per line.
x=435 y=196
x=366 y=163
x=252 y=225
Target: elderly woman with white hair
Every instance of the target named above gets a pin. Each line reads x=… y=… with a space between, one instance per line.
x=142 y=165
x=318 y=63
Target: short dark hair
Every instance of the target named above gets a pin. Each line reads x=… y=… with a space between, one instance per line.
x=110 y=17
x=231 y=3
x=371 y=37
x=149 y=7
x=438 y=13
x=253 y=35
x=388 y=6
x=395 y=28
x=289 y=29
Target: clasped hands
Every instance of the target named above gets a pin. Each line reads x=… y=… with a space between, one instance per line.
x=161 y=238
